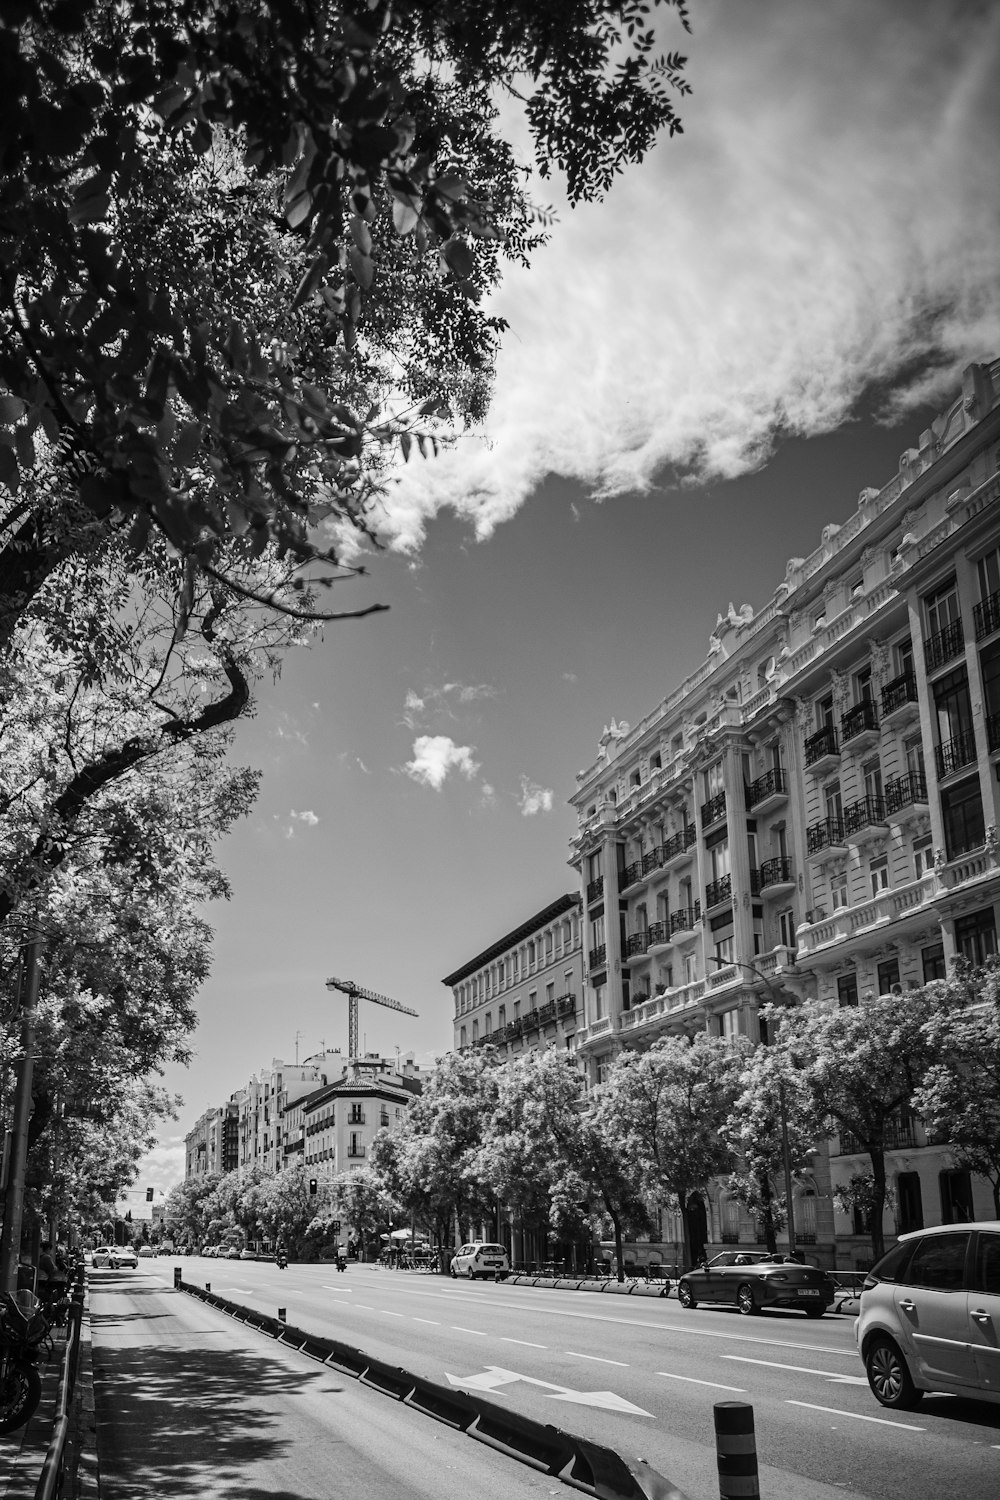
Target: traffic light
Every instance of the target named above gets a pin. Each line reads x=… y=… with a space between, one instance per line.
x=312 y=1186
x=149 y=1195
x=128 y=1216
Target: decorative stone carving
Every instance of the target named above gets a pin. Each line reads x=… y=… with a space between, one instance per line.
x=840 y=686
x=792 y=566
x=828 y=533
x=992 y=843
x=879 y=652
x=867 y=497
x=940 y=860
x=831 y=588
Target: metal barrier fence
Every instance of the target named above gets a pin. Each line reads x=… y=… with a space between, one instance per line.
x=49 y=1479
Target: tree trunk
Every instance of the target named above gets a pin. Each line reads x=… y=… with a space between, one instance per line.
x=767 y=1214
x=616 y=1221
x=878 y=1201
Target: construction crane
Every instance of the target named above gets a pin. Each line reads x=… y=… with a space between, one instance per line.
x=354 y=993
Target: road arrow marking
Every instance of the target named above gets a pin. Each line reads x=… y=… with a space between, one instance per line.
x=494 y=1376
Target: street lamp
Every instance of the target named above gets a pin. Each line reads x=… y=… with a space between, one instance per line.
x=732 y=963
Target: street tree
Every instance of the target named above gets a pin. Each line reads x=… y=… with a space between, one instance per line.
x=859 y=1066
x=607 y=1176
x=360 y=1199
x=366 y=145
x=673 y=1102
x=770 y=1116
x=958 y=1098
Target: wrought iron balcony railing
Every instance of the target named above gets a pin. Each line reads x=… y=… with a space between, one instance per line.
x=595 y=890
x=713 y=809
x=685 y=918
x=680 y=842
x=867 y=812
x=771 y=784
x=860 y=719
x=599 y=956
x=719 y=890
x=898 y=692
x=636 y=942
x=631 y=873
x=821 y=835
x=905 y=791
x=775 y=872
x=956 y=753
x=986 y=616
x=659 y=932
x=818 y=746
x=948 y=643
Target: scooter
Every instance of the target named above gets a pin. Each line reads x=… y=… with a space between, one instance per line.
x=23 y=1329
x=282 y=1261
x=341 y=1263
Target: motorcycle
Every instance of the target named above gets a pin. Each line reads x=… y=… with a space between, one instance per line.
x=341 y=1263
x=23 y=1329
x=282 y=1262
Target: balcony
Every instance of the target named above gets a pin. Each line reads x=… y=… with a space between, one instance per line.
x=956 y=753
x=986 y=616
x=677 y=850
x=864 y=819
x=356 y=1117
x=598 y=956
x=906 y=797
x=767 y=792
x=775 y=877
x=945 y=646
x=718 y=892
x=636 y=943
x=684 y=921
x=899 y=700
x=652 y=860
x=821 y=751
x=659 y=935
x=859 y=726
x=631 y=874
x=825 y=839
x=898 y=1134
x=714 y=810
x=595 y=890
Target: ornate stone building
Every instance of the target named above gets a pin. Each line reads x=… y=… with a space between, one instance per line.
x=814 y=810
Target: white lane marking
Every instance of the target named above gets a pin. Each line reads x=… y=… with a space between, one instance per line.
x=342 y=1302
x=337 y=1287
x=526 y=1342
x=432 y=1321
x=713 y=1383
x=387 y=1314
x=857 y=1415
x=650 y=1327
x=364 y=1306
x=479 y=1332
x=772 y=1364
x=597 y=1358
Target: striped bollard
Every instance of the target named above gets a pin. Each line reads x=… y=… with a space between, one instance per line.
x=208 y=1286
x=736 y=1450
x=282 y=1314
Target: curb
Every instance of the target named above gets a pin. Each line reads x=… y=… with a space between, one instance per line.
x=573 y=1460
x=81 y=1473
x=627 y=1288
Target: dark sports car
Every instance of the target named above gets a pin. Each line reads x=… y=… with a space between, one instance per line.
x=750 y=1280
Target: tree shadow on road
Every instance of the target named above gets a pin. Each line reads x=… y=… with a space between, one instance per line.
x=176 y=1421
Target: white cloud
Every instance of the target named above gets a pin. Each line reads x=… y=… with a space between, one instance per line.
x=412 y=709
x=435 y=756
x=439 y=700
x=827 y=224
x=308 y=817
x=534 y=798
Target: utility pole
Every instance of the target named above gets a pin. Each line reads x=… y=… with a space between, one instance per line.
x=10 y=1239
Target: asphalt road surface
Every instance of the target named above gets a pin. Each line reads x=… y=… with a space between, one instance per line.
x=642 y=1375
x=191 y=1404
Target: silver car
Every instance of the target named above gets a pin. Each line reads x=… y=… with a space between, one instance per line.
x=481 y=1259
x=930 y=1316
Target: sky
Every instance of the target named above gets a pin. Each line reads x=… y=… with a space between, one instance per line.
x=700 y=373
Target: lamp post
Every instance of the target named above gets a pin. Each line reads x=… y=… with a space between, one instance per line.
x=733 y=963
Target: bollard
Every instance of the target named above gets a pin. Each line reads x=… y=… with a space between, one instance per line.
x=282 y=1314
x=208 y=1286
x=736 y=1450
x=177 y=1278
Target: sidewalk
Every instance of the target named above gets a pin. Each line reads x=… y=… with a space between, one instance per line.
x=22 y=1453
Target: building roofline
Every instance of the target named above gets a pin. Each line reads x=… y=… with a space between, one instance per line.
x=540 y=919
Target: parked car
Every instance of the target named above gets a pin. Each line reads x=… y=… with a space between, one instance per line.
x=479 y=1258
x=751 y=1280
x=930 y=1316
x=248 y=1255
x=233 y=1253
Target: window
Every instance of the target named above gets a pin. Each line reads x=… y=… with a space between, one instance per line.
x=989 y=573
x=878 y=875
x=532 y=999
x=910 y=1214
x=824 y=712
x=888 y=976
x=904 y=658
x=834 y=802
x=517 y=1009
x=598 y=1002
x=863 y=685
x=786 y=928
x=475 y=1031
x=635 y=779
x=952 y=706
x=488 y=1023
x=838 y=889
x=597 y=935
x=988 y=1264
x=730 y=1023
x=939 y=1262
x=941 y=607
x=913 y=749
x=501 y=1017
x=721 y=863
x=847 y=989
x=594 y=866
x=956 y=1197
x=662 y=906
x=989 y=666
x=976 y=936
x=933 y=962
x=690 y=968
x=871 y=773
x=655 y=761
x=923 y=856
x=818 y=617
x=724 y=950
x=962 y=813
x=713 y=781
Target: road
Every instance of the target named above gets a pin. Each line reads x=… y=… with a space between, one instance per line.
x=190 y=1404
x=642 y=1376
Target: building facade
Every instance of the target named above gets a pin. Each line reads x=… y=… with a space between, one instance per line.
x=331 y=1129
x=526 y=990
x=813 y=812
x=213 y=1143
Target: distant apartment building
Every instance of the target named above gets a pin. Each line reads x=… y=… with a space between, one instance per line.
x=525 y=990
x=814 y=810
x=213 y=1143
x=331 y=1129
